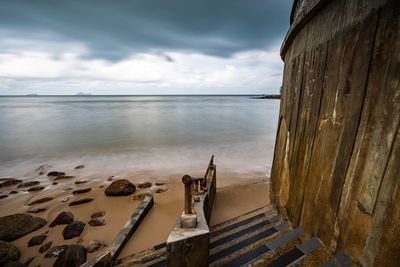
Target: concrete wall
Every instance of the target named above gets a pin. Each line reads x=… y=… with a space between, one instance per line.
x=336 y=169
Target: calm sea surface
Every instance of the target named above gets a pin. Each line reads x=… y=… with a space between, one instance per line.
x=138 y=133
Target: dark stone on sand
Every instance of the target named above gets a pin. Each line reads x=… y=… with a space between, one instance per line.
x=81 y=201
x=161 y=189
x=17 y=225
x=13 y=192
x=80 y=182
x=45 y=247
x=64 y=217
x=72 y=256
x=97 y=222
x=63 y=177
x=120 y=188
x=79 y=167
x=8 y=252
x=36 y=210
x=110 y=178
x=37 y=240
x=28 y=261
x=36 y=188
x=161 y=183
x=73 y=229
x=95 y=245
x=40 y=200
x=4 y=196
x=55 y=173
x=55 y=183
x=5 y=182
x=55 y=251
x=81 y=191
x=28 y=184
x=145 y=185
x=98 y=214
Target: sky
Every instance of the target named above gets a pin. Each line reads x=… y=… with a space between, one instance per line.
x=128 y=47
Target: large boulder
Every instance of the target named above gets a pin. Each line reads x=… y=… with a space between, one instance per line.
x=72 y=256
x=73 y=229
x=120 y=188
x=17 y=225
x=8 y=252
x=64 y=217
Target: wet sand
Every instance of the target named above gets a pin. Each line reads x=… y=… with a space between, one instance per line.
x=236 y=195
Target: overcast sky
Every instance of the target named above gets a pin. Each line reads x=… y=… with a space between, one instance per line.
x=141 y=46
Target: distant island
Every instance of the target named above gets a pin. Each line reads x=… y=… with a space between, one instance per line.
x=268 y=97
x=33 y=94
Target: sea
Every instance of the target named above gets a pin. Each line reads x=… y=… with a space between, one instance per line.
x=161 y=135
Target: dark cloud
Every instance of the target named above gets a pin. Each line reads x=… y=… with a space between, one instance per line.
x=114 y=29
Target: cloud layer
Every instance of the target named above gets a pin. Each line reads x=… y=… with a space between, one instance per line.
x=147 y=46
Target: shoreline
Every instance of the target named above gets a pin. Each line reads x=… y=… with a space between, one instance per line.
x=167 y=207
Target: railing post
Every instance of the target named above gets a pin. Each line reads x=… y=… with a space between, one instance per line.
x=189 y=216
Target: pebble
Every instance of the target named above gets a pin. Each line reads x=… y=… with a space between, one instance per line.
x=81 y=201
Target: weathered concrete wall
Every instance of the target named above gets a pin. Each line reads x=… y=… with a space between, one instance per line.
x=336 y=170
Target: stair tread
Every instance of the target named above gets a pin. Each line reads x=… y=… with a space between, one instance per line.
x=286 y=258
x=243 y=232
x=232 y=220
x=236 y=247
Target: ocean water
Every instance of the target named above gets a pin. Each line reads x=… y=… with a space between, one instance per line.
x=116 y=134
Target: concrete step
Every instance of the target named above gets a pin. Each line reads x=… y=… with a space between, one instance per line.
x=269 y=250
x=252 y=213
x=233 y=250
x=241 y=225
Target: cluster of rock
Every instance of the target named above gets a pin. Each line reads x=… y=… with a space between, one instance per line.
x=18 y=225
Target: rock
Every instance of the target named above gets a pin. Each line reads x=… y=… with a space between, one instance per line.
x=140 y=196
x=63 y=177
x=13 y=192
x=98 y=214
x=72 y=256
x=80 y=182
x=40 y=200
x=8 y=252
x=55 y=251
x=95 y=245
x=37 y=240
x=101 y=186
x=36 y=210
x=81 y=201
x=79 y=167
x=45 y=247
x=28 y=184
x=5 y=182
x=4 y=196
x=110 y=178
x=73 y=229
x=145 y=185
x=65 y=199
x=81 y=191
x=55 y=183
x=97 y=222
x=64 y=217
x=120 y=188
x=55 y=173
x=36 y=188
x=28 y=261
x=17 y=225
x=161 y=182
x=161 y=189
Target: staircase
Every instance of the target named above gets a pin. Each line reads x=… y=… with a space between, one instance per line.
x=258 y=238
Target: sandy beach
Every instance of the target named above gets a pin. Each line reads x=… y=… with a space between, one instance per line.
x=167 y=190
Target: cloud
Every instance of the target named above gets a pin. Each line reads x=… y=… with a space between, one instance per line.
x=141 y=47
x=114 y=29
